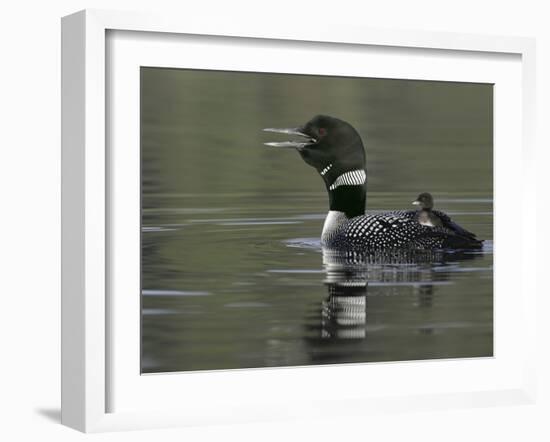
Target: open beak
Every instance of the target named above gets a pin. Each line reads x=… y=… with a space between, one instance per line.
x=416 y=203
x=296 y=131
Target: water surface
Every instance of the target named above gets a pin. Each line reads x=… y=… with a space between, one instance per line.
x=233 y=275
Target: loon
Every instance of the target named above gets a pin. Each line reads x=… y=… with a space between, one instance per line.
x=335 y=150
x=426 y=216
x=435 y=218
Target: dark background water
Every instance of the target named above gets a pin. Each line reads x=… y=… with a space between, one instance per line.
x=232 y=272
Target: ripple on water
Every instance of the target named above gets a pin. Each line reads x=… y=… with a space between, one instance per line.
x=153 y=292
x=147 y=229
x=304 y=243
x=158 y=311
x=256 y=223
x=247 y=305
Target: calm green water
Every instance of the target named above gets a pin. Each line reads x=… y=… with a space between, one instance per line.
x=232 y=272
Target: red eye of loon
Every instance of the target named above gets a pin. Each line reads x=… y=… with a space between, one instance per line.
x=322 y=131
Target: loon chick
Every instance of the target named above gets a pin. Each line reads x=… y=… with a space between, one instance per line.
x=426 y=216
x=435 y=218
x=335 y=149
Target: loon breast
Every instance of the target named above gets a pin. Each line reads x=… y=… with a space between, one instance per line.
x=333 y=223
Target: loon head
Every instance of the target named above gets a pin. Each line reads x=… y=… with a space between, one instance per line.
x=424 y=200
x=330 y=145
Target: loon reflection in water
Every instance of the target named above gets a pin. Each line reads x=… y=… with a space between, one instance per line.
x=350 y=279
x=335 y=149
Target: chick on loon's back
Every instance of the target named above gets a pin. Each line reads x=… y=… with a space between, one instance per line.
x=427 y=216
x=334 y=148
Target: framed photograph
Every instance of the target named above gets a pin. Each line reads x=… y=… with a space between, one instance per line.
x=270 y=222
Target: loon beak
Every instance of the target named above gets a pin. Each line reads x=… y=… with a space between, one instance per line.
x=296 y=131
x=416 y=203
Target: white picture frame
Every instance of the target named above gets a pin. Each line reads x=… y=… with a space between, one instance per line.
x=86 y=206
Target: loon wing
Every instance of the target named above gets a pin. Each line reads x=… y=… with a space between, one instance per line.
x=454 y=227
x=451 y=239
